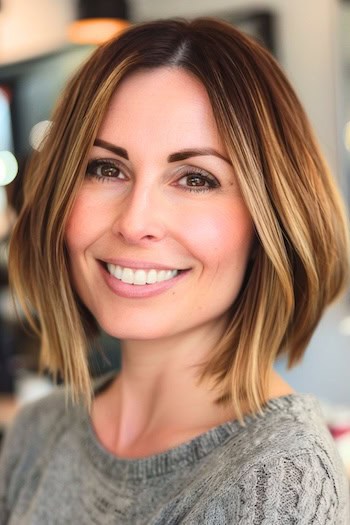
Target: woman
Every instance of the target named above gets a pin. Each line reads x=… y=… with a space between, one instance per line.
x=179 y=202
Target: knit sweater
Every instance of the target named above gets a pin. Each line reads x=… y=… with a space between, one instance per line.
x=280 y=468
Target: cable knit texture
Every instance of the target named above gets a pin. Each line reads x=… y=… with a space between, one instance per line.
x=280 y=468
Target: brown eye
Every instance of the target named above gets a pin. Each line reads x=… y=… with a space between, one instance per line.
x=104 y=169
x=198 y=181
x=195 y=180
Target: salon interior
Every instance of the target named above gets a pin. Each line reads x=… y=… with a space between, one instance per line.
x=42 y=42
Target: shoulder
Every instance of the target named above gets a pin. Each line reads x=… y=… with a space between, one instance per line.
x=35 y=419
x=32 y=430
x=38 y=423
x=281 y=467
x=32 y=438
x=292 y=440
x=25 y=442
x=290 y=426
x=298 y=489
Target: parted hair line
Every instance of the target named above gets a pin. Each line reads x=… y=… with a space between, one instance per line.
x=301 y=254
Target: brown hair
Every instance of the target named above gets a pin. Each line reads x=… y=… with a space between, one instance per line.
x=301 y=254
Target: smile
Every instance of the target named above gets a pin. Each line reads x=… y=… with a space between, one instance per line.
x=139 y=276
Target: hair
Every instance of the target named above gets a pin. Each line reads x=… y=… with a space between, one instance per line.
x=300 y=261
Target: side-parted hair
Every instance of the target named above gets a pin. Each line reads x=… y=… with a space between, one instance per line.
x=301 y=255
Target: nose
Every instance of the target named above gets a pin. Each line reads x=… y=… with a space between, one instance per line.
x=140 y=216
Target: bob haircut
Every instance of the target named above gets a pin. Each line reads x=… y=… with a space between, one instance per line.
x=299 y=262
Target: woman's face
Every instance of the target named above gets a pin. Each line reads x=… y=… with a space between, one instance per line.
x=159 y=236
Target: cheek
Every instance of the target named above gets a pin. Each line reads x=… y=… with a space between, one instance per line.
x=84 y=222
x=76 y=228
x=224 y=235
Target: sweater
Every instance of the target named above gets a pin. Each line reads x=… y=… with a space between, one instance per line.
x=281 y=468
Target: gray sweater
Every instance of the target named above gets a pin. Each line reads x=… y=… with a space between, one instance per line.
x=280 y=468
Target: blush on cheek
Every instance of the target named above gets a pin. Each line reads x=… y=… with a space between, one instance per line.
x=86 y=220
x=215 y=232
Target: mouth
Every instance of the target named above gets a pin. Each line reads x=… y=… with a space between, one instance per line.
x=140 y=277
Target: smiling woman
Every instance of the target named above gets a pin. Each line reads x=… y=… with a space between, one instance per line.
x=179 y=202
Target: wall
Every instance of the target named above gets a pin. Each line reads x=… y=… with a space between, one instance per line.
x=31 y=27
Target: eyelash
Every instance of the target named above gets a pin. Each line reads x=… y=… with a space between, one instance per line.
x=95 y=164
x=210 y=180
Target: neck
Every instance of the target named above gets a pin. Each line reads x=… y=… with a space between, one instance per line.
x=157 y=402
x=157 y=392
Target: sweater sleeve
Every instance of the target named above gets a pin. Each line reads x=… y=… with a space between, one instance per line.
x=297 y=490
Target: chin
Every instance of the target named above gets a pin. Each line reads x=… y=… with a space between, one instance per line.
x=140 y=333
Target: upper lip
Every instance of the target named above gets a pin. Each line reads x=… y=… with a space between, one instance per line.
x=140 y=265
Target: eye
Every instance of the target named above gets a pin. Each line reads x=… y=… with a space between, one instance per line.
x=104 y=169
x=198 y=181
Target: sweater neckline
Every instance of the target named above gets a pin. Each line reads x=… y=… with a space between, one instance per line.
x=191 y=452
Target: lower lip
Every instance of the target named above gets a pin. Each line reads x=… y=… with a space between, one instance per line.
x=135 y=291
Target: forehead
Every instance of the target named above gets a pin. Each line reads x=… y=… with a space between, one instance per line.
x=165 y=105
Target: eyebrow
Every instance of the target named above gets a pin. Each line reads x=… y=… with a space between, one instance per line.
x=173 y=157
x=196 y=152
x=121 y=152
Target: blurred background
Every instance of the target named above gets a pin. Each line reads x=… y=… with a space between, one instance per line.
x=42 y=43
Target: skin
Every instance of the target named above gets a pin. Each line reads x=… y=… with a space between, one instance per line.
x=144 y=211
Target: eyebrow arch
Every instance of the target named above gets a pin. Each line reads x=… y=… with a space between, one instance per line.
x=173 y=157
x=121 y=152
x=196 y=152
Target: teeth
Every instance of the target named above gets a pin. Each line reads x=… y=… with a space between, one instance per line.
x=162 y=275
x=127 y=276
x=151 y=276
x=140 y=277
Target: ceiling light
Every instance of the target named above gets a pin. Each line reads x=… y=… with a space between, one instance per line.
x=99 y=21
